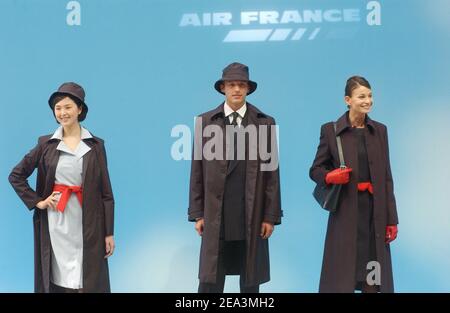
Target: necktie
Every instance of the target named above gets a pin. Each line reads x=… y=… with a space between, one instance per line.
x=234 y=115
x=234 y=123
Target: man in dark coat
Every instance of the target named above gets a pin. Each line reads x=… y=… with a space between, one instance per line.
x=234 y=198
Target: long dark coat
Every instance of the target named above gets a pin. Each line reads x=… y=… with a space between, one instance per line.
x=97 y=206
x=339 y=260
x=262 y=203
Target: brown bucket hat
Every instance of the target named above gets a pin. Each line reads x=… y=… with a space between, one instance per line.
x=73 y=91
x=236 y=71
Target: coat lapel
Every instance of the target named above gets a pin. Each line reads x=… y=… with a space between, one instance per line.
x=251 y=175
x=218 y=118
x=53 y=157
x=373 y=150
x=87 y=159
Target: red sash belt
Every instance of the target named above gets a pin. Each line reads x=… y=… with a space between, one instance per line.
x=365 y=186
x=66 y=191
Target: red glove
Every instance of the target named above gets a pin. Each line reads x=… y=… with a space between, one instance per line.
x=391 y=233
x=338 y=176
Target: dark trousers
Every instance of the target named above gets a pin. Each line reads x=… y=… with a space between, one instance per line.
x=58 y=289
x=231 y=259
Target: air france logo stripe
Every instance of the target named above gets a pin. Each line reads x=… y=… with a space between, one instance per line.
x=248 y=35
x=279 y=34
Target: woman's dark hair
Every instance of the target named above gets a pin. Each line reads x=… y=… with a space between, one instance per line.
x=58 y=98
x=353 y=83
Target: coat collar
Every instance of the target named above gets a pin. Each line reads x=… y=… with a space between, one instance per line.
x=343 y=123
x=58 y=134
x=82 y=148
x=228 y=110
x=251 y=110
x=85 y=135
x=79 y=152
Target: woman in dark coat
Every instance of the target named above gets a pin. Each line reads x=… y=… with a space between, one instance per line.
x=73 y=202
x=357 y=253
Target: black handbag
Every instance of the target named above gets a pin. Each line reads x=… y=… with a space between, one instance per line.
x=328 y=195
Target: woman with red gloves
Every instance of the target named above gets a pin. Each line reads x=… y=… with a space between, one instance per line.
x=365 y=222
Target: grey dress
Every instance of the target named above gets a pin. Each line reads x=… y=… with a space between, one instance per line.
x=65 y=228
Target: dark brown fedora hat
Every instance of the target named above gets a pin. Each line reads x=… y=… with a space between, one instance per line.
x=236 y=71
x=73 y=91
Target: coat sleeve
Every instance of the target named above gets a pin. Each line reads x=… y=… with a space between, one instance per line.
x=392 y=218
x=322 y=163
x=18 y=177
x=272 y=203
x=107 y=193
x=196 y=185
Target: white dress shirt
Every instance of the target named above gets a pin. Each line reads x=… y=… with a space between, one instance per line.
x=228 y=110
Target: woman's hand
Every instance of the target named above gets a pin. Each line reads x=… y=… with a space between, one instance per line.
x=391 y=233
x=50 y=202
x=338 y=176
x=110 y=245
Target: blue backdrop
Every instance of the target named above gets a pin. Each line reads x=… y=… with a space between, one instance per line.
x=148 y=66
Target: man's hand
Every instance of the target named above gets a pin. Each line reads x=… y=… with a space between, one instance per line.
x=266 y=230
x=199 y=225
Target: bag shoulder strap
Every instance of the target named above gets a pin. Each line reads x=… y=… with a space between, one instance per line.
x=339 y=146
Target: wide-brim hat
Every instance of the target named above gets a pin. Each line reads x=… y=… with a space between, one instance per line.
x=236 y=71
x=73 y=91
